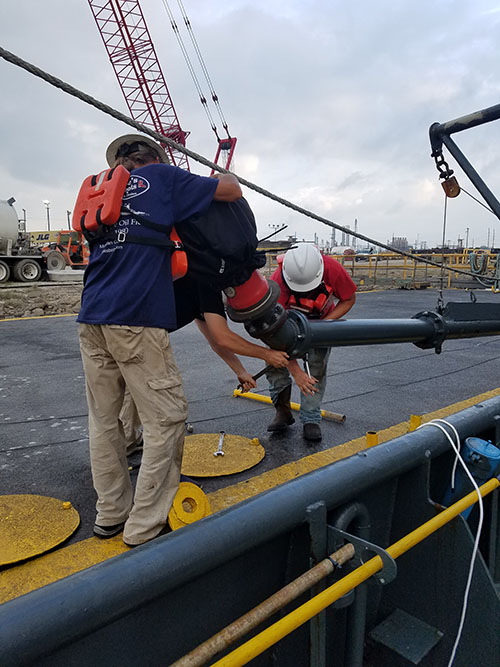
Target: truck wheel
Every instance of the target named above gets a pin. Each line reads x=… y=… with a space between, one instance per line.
x=55 y=261
x=4 y=272
x=27 y=271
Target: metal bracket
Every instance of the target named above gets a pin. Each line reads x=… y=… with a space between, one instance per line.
x=316 y=520
x=436 y=341
x=362 y=548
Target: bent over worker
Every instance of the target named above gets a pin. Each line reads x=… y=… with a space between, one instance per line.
x=202 y=303
x=195 y=300
x=126 y=313
x=321 y=288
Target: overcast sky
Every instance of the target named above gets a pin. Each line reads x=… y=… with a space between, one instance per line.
x=331 y=103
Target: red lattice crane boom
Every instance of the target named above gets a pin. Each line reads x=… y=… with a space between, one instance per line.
x=131 y=52
x=126 y=38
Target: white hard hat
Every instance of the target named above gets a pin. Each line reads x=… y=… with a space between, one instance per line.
x=128 y=140
x=303 y=267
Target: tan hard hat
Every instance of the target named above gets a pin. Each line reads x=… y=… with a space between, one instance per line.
x=112 y=149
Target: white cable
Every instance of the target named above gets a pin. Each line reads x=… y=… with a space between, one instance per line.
x=456 y=447
x=454 y=472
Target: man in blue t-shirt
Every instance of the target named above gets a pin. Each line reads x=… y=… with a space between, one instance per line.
x=127 y=309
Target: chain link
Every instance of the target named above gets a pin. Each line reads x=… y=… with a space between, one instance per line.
x=441 y=165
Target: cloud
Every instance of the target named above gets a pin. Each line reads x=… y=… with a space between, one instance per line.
x=353 y=180
x=331 y=104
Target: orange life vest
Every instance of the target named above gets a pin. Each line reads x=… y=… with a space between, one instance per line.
x=316 y=307
x=99 y=203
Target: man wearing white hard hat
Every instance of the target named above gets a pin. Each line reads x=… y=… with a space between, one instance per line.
x=321 y=288
x=127 y=310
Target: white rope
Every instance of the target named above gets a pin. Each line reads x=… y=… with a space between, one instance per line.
x=438 y=423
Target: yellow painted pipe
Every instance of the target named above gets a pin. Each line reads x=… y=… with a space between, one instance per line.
x=326 y=414
x=371 y=438
x=250 y=394
x=258 y=644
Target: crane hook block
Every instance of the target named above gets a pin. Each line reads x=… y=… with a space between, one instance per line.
x=99 y=201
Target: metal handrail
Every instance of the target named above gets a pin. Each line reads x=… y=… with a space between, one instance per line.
x=286 y=625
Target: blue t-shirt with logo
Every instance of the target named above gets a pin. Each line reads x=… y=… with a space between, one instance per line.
x=131 y=284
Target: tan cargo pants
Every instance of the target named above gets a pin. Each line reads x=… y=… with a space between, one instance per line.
x=130 y=421
x=140 y=358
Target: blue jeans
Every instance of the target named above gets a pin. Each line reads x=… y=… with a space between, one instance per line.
x=310 y=406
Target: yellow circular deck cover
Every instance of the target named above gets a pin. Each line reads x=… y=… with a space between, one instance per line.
x=31 y=525
x=239 y=454
x=190 y=504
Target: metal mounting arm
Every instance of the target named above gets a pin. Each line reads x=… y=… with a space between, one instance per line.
x=439 y=134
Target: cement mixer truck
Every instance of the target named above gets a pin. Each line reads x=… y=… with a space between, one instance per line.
x=19 y=259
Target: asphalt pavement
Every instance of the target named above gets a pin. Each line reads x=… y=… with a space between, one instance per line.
x=43 y=413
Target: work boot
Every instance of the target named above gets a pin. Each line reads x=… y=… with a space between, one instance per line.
x=283 y=416
x=104 y=532
x=312 y=431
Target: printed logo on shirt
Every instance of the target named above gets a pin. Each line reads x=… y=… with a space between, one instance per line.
x=119 y=233
x=137 y=185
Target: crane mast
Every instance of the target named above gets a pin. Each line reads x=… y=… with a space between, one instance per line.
x=127 y=41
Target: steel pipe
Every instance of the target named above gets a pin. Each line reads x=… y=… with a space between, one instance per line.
x=438 y=130
x=242 y=626
x=355 y=519
x=427 y=329
x=325 y=414
x=474 y=177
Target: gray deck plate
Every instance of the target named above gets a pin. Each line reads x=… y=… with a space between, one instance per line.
x=43 y=413
x=408 y=636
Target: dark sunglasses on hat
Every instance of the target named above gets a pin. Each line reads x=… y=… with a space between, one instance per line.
x=127 y=149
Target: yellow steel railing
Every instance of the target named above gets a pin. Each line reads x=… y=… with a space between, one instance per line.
x=389 y=265
x=258 y=644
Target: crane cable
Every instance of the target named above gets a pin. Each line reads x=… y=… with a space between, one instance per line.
x=190 y=67
x=160 y=138
x=443 y=261
x=203 y=66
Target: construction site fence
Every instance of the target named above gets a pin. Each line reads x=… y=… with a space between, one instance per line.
x=391 y=269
